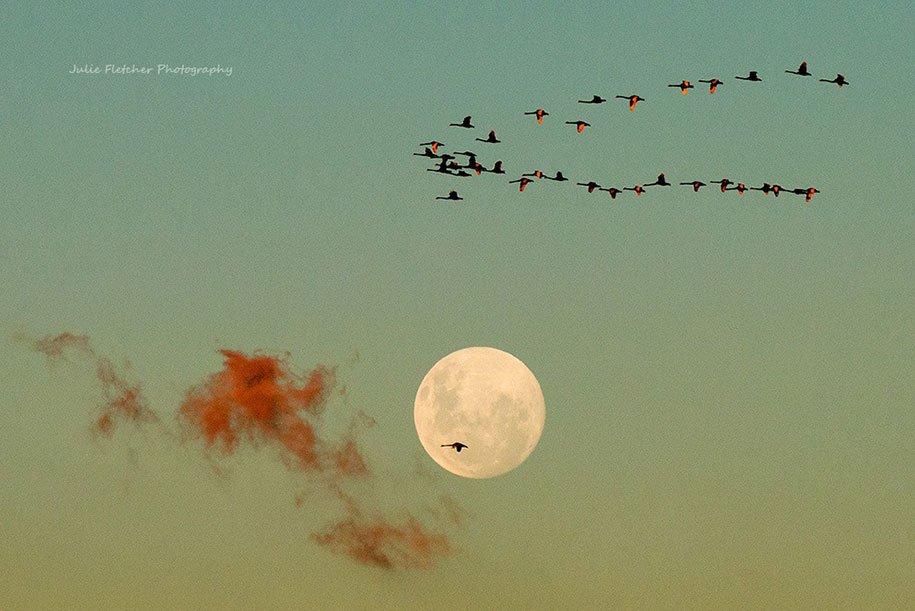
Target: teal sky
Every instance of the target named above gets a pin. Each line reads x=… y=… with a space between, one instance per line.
x=729 y=381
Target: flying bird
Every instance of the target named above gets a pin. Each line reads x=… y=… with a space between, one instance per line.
x=660 y=182
x=613 y=191
x=539 y=114
x=839 y=80
x=590 y=185
x=465 y=123
x=558 y=178
x=524 y=180
x=535 y=174
x=491 y=139
x=633 y=100
x=753 y=77
x=683 y=85
x=638 y=189
x=807 y=193
x=452 y=195
x=694 y=184
x=496 y=169
x=434 y=144
x=594 y=100
x=457 y=445
x=740 y=188
x=427 y=152
x=801 y=71
x=724 y=182
x=712 y=84
x=580 y=125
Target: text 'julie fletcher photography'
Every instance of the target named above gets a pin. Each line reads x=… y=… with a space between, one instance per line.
x=155 y=70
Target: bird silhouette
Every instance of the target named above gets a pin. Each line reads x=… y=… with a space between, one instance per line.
x=558 y=178
x=724 y=182
x=801 y=71
x=496 y=169
x=491 y=139
x=452 y=195
x=633 y=100
x=473 y=164
x=807 y=193
x=524 y=180
x=740 y=188
x=539 y=113
x=753 y=77
x=457 y=445
x=765 y=188
x=465 y=123
x=594 y=100
x=590 y=185
x=613 y=191
x=683 y=85
x=467 y=153
x=434 y=144
x=580 y=125
x=535 y=174
x=712 y=84
x=839 y=80
x=638 y=189
x=427 y=152
x=694 y=184
x=660 y=182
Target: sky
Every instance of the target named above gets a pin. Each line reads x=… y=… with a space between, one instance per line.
x=729 y=380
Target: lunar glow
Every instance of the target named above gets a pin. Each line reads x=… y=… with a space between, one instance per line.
x=486 y=399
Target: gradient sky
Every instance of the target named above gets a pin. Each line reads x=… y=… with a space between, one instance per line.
x=729 y=381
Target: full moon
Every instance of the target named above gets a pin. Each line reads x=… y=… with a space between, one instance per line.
x=488 y=401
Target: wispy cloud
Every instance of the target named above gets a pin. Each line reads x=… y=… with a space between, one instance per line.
x=260 y=400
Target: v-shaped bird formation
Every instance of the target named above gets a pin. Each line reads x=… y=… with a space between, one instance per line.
x=448 y=165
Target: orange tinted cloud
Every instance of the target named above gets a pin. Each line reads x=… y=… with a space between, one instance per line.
x=377 y=541
x=259 y=399
x=123 y=400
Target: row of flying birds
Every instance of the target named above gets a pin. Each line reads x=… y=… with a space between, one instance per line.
x=447 y=164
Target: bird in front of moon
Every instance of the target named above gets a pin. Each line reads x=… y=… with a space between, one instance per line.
x=490 y=401
x=457 y=445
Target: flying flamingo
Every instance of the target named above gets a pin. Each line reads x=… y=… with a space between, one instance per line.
x=638 y=189
x=457 y=445
x=740 y=188
x=724 y=182
x=465 y=123
x=660 y=182
x=839 y=80
x=427 y=152
x=558 y=178
x=535 y=174
x=683 y=85
x=712 y=84
x=694 y=184
x=633 y=100
x=452 y=195
x=753 y=77
x=807 y=193
x=613 y=191
x=434 y=144
x=491 y=139
x=580 y=125
x=594 y=100
x=496 y=169
x=590 y=185
x=539 y=113
x=524 y=182
x=801 y=71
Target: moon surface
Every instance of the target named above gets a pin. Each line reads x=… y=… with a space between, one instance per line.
x=485 y=399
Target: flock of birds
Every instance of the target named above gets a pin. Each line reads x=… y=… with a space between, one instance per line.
x=447 y=163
